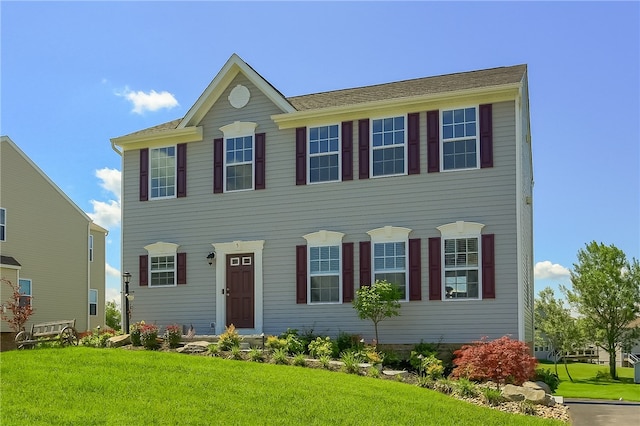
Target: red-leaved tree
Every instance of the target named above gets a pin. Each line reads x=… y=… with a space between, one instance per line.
x=503 y=360
x=19 y=306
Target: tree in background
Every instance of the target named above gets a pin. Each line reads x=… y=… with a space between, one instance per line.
x=606 y=292
x=556 y=326
x=19 y=305
x=113 y=317
x=377 y=302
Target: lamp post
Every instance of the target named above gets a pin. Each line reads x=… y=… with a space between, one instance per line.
x=127 y=312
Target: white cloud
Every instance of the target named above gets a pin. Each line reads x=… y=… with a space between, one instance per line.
x=112 y=295
x=111 y=271
x=547 y=270
x=107 y=213
x=151 y=101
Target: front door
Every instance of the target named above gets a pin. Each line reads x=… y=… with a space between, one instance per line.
x=240 y=290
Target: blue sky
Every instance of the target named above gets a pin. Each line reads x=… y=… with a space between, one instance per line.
x=75 y=74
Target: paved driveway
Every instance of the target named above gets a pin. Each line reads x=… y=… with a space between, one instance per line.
x=593 y=412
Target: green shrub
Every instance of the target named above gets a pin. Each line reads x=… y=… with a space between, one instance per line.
x=299 y=360
x=373 y=372
x=492 y=396
x=229 y=339
x=294 y=343
x=173 y=335
x=390 y=358
x=236 y=353
x=548 y=377
x=279 y=356
x=149 y=336
x=320 y=347
x=274 y=343
x=325 y=361
x=527 y=407
x=346 y=341
x=134 y=333
x=466 y=388
x=97 y=338
x=350 y=360
x=603 y=375
x=445 y=386
x=256 y=355
x=426 y=382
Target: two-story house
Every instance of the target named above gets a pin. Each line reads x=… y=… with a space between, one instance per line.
x=48 y=246
x=268 y=212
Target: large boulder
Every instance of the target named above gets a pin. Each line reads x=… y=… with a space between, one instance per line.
x=538 y=385
x=194 y=347
x=531 y=393
x=120 y=340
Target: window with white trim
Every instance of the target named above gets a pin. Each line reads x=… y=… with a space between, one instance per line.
x=3 y=224
x=93 y=302
x=90 y=248
x=389 y=255
x=162 y=264
x=26 y=291
x=389 y=146
x=324 y=153
x=162 y=172
x=239 y=165
x=460 y=143
x=461 y=251
x=324 y=250
x=239 y=156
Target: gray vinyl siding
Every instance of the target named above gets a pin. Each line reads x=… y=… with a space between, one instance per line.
x=283 y=212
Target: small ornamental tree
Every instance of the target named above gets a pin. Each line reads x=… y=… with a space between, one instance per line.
x=19 y=306
x=112 y=315
x=377 y=302
x=502 y=361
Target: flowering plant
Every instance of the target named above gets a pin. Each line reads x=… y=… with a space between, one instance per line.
x=149 y=336
x=134 y=333
x=172 y=335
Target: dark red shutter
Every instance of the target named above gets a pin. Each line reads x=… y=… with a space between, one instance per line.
x=260 y=161
x=301 y=274
x=347 y=150
x=363 y=148
x=143 y=270
x=347 y=272
x=181 y=178
x=144 y=174
x=488 y=267
x=435 y=269
x=301 y=156
x=182 y=268
x=433 y=141
x=415 y=270
x=218 y=164
x=413 y=148
x=486 y=136
x=365 y=263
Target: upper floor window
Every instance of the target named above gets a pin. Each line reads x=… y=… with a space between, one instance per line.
x=90 y=248
x=389 y=148
x=93 y=302
x=324 y=153
x=3 y=224
x=390 y=257
x=25 y=291
x=460 y=144
x=239 y=163
x=163 y=172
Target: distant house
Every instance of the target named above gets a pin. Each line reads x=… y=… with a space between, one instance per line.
x=49 y=246
x=268 y=212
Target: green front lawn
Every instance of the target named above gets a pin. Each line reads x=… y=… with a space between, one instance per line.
x=88 y=386
x=587 y=385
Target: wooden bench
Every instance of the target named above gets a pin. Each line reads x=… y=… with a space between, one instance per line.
x=61 y=331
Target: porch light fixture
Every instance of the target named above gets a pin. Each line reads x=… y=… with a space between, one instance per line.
x=210 y=257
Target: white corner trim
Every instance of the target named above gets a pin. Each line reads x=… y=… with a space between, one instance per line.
x=461 y=228
x=239 y=128
x=162 y=249
x=324 y=238
x=389 y=233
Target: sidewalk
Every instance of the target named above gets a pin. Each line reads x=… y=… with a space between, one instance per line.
x=595 y=412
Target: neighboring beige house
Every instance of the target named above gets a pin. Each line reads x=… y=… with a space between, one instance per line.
x=48 y=245
x=269 y=212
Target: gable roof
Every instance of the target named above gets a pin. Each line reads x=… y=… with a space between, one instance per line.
x=292 y=107
x=409 y=88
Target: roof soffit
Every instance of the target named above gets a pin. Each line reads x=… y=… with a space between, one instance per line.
x=221 y=81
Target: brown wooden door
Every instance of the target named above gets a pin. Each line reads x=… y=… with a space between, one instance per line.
x=240 y=290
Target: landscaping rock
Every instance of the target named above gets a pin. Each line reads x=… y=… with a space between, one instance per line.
x=117 y=341
x=531 y=393
x=194 y=347
x=538 y=385
x=394 y=373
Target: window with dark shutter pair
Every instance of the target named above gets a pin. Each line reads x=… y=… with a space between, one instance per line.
x=302 y=274
x=326 y=156
x=163 y=172
x=162 y=271
x=239 y=159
